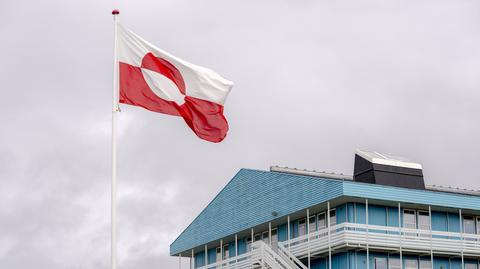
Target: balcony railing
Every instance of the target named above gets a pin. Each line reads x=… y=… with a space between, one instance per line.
x=383 y=238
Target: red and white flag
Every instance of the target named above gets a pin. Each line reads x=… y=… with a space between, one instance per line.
x=158 y=81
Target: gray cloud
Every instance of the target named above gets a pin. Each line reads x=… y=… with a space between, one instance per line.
x=314 y=80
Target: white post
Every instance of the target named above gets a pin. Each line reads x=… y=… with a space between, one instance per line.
x=307 y=225
x=431 y=234
x=221 y=253
x=179 y=261
x=400 y=233
x=461 y=232
x=329 y=243
x=251 y=242
x=206 y=255
x=288 y=231
x=270 y=233
x=366 y=217
x=236 y=251
x=192 y=262
x=113 y=242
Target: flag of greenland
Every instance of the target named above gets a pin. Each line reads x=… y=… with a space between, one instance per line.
x=158 y=81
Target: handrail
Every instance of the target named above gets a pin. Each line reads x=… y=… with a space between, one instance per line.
x=292 y=257
x=354 y=234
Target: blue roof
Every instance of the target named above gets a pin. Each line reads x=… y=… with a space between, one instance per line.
x=252 y=195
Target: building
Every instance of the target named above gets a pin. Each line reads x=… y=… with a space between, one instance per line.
x=382 y=217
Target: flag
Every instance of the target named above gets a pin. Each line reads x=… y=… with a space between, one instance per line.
x=158 y=81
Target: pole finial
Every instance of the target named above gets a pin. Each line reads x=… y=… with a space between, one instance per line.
x=115 y=12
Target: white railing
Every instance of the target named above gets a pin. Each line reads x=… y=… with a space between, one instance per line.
x=261 y=256
x=383 y=237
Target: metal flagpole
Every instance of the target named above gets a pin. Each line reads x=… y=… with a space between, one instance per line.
x=113 y=242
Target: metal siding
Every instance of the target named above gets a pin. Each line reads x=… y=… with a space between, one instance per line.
x=249 y=200
x=440 y=263
x=403 y=195
x=200 y=259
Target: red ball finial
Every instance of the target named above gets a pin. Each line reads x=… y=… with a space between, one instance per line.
x=115 y=12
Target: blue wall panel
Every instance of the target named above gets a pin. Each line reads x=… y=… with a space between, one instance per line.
x=439 y=221
x=441 y=263
x=282 y=232
x=351 y=212
x=212 y=255
x=242 y=246
x=200 y=259
x=341 y=213
x=361 y=213
x=392 y=216
x=453 y=222
x=377 y=215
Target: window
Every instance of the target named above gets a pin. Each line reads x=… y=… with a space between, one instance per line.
x=423 y=220
x=380 y=263
x=249 y=244
x=301 y=227
x=321 y=221
x=312 y=224
x=478 y=225
x=257 y=237
x=219 y=254
x=274 y=237
x=425 y=264
x=265 y=237
x=468 y=225
x=333 y=217
x=470 y=266
x=411 y=264
x=409 y=220
x=394 y=263
x=226 y=254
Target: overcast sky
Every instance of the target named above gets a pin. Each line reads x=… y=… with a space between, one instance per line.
x=314 y=80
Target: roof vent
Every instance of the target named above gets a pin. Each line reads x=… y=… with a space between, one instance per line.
x=387 y=169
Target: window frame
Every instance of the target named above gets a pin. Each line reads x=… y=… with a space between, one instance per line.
x=414 y=218
x=226 y=252
x=334 y=210
x=390 y=266
x=416 y=263
x=315 y=226
x=378 y=259
x=429 y=262
x=473 y=219
x=319 y=215
x=304 y=220
x=427 y=214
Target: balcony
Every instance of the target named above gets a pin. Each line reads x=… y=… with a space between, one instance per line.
x=359 y=236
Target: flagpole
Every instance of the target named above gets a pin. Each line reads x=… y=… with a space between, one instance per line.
x=113 y=220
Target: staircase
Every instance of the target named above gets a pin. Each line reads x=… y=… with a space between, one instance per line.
x=262 y=256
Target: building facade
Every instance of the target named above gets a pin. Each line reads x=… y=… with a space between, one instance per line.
x=287 y=218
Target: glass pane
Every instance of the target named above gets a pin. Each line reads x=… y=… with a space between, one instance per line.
x=423 y=220
x=312 y=224
x=219 y=255
x=249 y=244
x=321 y=221
x=258 y=237
x=409 y=219
x=380 y=263
x=468 y=225
x=301 y=227
x=394 y=263
x=424 y=264
x=265 y=237
x=274 y=237
x=333 y=217
x=411 y=264
x=470 y=266
x=225 y=252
